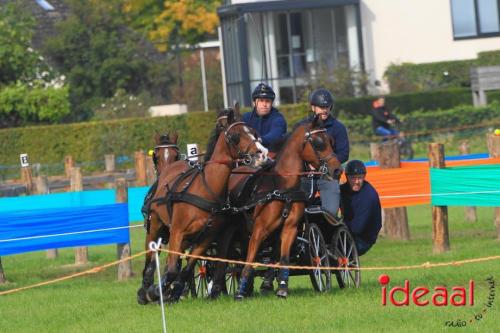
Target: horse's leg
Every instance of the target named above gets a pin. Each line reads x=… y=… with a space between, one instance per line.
x=149 y=265
x=259 y=233
x=220 y=267
x=288 y=234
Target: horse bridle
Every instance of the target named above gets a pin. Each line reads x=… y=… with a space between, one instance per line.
x=246 y=158
x=170 y=145
x=323 y=161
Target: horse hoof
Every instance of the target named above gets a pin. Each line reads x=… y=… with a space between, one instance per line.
x=282 y=293
x=266 y=287
x=142 y=296
x=215 y=292
x=153 y=294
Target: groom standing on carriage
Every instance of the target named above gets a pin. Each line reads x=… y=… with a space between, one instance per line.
x=322 y=102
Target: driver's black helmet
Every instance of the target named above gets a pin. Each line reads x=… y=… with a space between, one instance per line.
x=355 y=167
x=263 y=91
x=322 y=98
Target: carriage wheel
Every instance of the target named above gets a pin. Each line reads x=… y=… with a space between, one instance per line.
x=201 y=282
x=345 y=255
x=318 y=254
x=233 y=273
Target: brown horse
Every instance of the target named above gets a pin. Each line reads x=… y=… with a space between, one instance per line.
x=282 y=201
x=189 y=198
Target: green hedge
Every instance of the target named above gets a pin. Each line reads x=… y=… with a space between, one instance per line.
x=437 y=75
x=355 y=108
x=90 y=141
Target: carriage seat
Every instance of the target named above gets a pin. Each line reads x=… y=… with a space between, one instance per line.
x=316 y=210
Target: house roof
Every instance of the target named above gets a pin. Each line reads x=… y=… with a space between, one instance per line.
x=277 y=5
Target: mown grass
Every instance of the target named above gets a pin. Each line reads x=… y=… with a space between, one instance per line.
x=99 y=303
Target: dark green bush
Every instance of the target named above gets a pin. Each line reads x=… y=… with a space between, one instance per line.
x=407 y=77
x=90 y=141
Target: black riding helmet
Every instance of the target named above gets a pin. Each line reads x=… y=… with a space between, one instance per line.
x=355 y=167
x=263 y=91
x=322 y=98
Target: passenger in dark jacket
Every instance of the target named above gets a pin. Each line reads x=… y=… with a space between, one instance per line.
x=361 y=207
x=264 y=118
x=321 y=101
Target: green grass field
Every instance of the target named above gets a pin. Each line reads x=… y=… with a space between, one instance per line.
x=99 y=303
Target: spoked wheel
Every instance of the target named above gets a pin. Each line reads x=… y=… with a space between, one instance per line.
x=233 y=273
x=345 y=255
x=321 y=279
x=201 y=284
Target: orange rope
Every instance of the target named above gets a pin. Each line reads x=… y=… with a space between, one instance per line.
x=67 y=277
x=254 y=264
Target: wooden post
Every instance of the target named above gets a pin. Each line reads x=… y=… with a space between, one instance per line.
x=150 y=170
x=123 y=250
x=27 y=179
x=109 y=162
x=140 y=168
x=395 y=224
x=493 y=142
x=440 y=234
x=76 y=183
x=68 y=165
x=374 y=147
x=42 y=187
x=2 y=275
x=470 y=212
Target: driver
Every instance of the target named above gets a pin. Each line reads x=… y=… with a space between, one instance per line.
x=264 y=118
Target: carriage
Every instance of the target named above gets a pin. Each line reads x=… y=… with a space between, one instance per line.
x=321 y=242
x=188 y=207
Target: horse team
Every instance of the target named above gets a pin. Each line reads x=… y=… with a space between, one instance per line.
x=190 y=204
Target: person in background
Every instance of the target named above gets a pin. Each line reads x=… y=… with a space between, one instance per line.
x=383 y=120
x=360 y=206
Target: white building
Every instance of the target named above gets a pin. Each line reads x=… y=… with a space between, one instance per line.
x=289 y=42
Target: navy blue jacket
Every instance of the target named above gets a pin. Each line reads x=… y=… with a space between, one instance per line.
x=270 y=127
x=361 y=211
x=338 y=132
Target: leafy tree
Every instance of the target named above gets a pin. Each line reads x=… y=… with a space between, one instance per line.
x=30 y=91
x=172 y=22
x=101 y=55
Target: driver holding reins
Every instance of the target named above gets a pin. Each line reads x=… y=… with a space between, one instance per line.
x=322 y=101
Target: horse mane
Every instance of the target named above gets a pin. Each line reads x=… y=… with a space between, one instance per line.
x=280 y=144
x=212 y=141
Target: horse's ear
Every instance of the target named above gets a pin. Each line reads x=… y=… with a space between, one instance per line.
x=230 y=116
x=316 y=121
x=174 y=137
x=236 y=109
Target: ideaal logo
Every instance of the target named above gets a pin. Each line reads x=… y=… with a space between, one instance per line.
x=440 y=296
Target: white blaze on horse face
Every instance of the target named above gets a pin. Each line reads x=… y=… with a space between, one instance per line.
x=263 y=155
x=165 y=154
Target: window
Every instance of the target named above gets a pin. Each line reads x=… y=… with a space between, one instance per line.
x=475 y=18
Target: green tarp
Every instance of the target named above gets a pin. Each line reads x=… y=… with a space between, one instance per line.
x=477 y=185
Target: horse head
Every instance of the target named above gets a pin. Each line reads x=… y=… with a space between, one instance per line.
x=241 y=141
x=165 y=150
x=317 y=148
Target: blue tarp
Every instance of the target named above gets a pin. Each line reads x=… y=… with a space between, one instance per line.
x=77 y=199
x=41 y=229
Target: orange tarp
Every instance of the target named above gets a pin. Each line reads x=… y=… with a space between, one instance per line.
x=410 y=184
